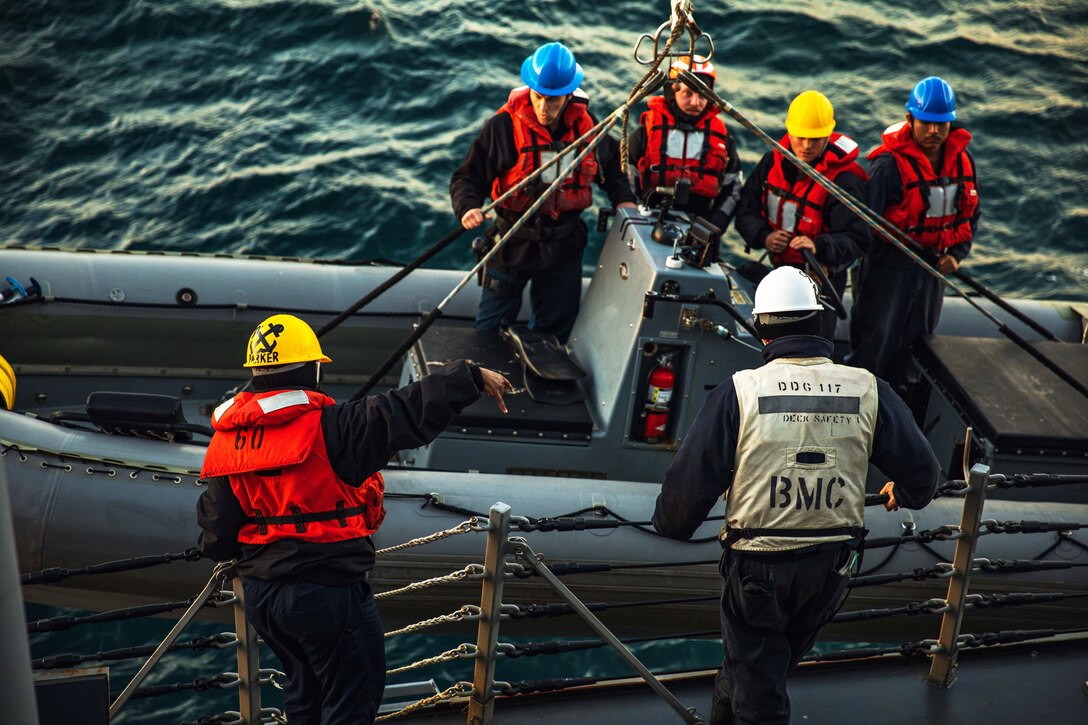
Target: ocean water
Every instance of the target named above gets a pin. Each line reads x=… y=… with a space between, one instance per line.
x=329 y=129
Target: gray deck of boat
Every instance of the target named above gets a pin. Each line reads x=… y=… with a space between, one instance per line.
x=1008 y=685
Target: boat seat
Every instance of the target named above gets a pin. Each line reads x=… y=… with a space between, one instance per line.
x=143 y=415
x=1008 y=396
x=445 y=342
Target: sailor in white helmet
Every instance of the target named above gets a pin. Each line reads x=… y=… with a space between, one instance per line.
x=788 y=445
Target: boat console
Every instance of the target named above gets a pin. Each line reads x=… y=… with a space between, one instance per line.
x=654 y=337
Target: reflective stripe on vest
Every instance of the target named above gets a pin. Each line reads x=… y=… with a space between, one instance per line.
x=803 y=447
x=673 y=152
x=936 y=210
x=798 y=207
x=271 y=446
x=535 y=147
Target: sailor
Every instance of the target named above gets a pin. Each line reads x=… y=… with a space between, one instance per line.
x=7 y=385
x=788 y=444
x=922 y=181
x=539 y=119
x=294 y=494
x=784 y=211
x=682 y=136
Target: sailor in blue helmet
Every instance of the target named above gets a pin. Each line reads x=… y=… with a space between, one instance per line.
x=788 y=445
x=537 y=120
x=922 y=180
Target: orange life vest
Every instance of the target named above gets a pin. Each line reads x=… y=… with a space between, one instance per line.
x=675 y=151
x=536 y=146
x=271 y=446
x=799 y=207
x=936 y=210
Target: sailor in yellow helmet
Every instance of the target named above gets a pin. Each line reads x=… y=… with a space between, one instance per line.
x=294 y=493
x=7 y=384
x=784 y=211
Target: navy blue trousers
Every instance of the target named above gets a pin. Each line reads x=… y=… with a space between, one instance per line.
x=330 y=643
x=555 y=296
x=893 y=307
x=773 y=606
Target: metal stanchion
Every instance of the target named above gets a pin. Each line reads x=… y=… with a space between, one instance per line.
x=481 y=706
x=942 y=669
x=525 y=554
x=249 y=665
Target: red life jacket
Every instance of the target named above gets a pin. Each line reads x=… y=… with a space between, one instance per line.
x=676 y=152
x=799 y=207
x=936 y=210
x=536 y=146
x=271 y=446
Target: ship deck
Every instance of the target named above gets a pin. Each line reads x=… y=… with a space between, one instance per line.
x=1007 y=684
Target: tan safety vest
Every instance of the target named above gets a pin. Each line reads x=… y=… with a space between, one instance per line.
x=806 y=434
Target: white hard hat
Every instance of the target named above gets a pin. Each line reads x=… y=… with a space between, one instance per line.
x=786 y=289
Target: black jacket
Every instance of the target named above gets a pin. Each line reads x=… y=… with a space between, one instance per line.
x=838 y=248
x=493 y=153
x=718 y=211
x=360 y=438
x=886 y=189
x=703 y=468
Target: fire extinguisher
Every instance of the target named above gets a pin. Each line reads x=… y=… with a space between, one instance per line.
x=658 y=395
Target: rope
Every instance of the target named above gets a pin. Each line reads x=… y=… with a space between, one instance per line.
x=472 y=570
x=439 y=309
x=903 y=242
x=461 y=688
x=460 y=652
x=468 y=612
x=679 y=20
x=472 y=524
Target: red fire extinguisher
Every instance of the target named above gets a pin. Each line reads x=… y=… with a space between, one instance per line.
x=658 y=395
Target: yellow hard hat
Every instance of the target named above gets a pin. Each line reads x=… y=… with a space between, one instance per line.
x=281 y=340
x=811 y=115
x=7 y=384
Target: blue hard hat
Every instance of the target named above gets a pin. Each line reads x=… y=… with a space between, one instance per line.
x=932 y=100
x=552 y=70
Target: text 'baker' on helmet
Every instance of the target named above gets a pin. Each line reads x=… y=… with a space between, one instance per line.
x=283 y=340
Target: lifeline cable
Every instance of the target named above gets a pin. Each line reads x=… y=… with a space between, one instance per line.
x=56 y=574
x=69 y=660
x=893 y=234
